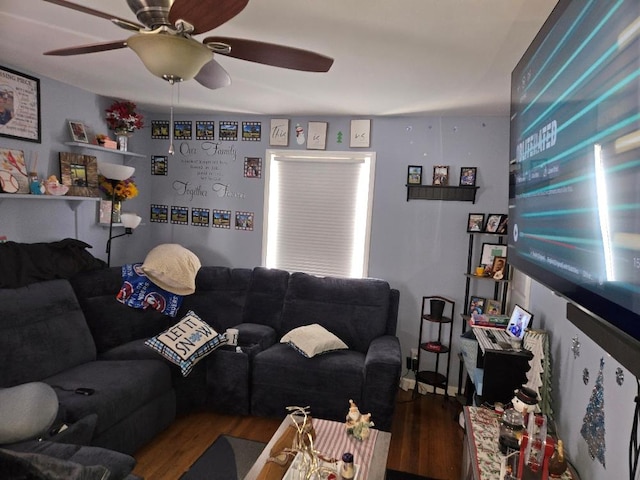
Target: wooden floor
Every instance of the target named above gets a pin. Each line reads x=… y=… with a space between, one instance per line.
x=426 y=439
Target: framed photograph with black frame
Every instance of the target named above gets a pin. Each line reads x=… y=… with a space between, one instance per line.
x=414 y=175
x=19 y=106
x=503 y=225
x=493 y=222
x=490 y=251
x=441 y=175
x=468 y=176
x=476 y=305
x=498 y=267
x=475 y=222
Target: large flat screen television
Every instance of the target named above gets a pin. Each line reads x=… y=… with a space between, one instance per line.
x=574 y=196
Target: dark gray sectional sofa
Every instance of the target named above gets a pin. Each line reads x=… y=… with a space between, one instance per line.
x=74 y=333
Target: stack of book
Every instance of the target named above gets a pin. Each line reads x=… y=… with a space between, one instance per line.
x=495 y=321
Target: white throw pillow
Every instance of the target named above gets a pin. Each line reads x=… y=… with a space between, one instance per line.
x=173 y=268
x=311 y=340
x=187 y=342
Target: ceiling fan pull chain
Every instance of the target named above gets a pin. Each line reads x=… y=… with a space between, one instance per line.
x=171 y=149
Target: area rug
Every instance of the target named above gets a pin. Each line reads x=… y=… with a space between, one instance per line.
x=396 y=475
x=228 y=458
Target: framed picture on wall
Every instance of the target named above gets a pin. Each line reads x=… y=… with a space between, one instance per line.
x=205 y=130
x=20 y=99
x=279 y=132
x=317 y=135
x=441 y=175
x=468 y=176
x=414 y=175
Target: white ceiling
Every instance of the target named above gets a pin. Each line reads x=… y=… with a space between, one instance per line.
x=392 y=57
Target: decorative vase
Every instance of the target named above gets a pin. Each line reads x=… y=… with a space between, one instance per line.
x=116 y=210
x=123 y=140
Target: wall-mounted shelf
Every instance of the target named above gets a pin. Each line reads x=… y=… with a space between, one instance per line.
x=72 y=201
x=91 y=146
x=442 y=192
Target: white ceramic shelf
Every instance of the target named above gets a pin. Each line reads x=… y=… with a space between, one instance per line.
x=72 y=201
x=91 y=146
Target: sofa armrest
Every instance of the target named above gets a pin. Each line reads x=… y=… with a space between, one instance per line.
x=382 y=370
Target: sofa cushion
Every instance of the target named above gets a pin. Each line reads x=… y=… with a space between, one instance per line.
x=173 y=268
x=220 y=296
x=312 y=340
x=187 y=342
x=282 y=377
x=265 y=297
x=112 y=323
x=356 y=310
x=120 y=388
x=42 y=332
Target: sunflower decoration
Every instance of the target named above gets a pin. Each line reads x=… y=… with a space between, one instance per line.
x=124 y=189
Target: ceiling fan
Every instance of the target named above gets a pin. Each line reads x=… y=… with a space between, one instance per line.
x=163 y=41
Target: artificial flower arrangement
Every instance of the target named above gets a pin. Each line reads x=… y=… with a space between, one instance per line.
x=122 y=117
x=125 y=189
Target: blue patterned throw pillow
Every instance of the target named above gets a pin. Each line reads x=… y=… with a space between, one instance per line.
x=187 y=342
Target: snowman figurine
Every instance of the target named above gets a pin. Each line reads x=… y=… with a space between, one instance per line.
x=300 y=134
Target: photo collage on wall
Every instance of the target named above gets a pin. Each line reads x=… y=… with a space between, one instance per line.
x=201 y=217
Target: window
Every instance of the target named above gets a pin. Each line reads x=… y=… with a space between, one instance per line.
x=318 y=211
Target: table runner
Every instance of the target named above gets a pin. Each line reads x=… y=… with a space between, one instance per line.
x=332 y=441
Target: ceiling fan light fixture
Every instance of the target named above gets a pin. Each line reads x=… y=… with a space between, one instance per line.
x=170 y=57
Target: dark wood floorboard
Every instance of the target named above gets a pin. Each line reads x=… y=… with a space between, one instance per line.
x=426 y=439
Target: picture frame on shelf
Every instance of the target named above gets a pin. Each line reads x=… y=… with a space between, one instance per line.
x=493 y=222
x=414 y=175
x=80 y=174
x=20 y=94
x=475 y=224
x=13 y=172
x=503 y=225
x=498 y=268
x=468 y=176
x=78 y=131
x=441 y=175
x=476 y=305
x=493 y=307
x=490 y=251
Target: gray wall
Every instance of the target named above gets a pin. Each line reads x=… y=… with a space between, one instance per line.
x=420 y=246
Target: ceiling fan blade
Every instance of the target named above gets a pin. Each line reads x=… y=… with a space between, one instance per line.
x=121 y=22
x=89 y=48
x=213 y=76
x=270 y=54
x=205 y=15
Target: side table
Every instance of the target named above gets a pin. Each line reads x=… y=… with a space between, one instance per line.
x=480 y=455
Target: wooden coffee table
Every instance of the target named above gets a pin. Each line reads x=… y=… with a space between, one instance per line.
x=376 y=468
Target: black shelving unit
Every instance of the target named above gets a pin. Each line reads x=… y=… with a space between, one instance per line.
x=442 y=192
x=500 y=288
x=433 y=340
